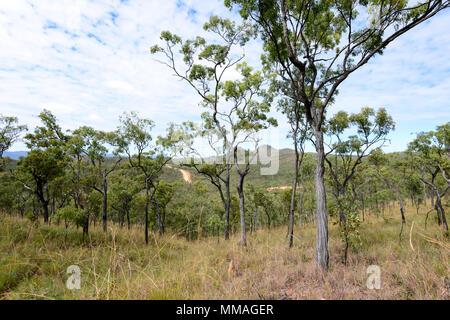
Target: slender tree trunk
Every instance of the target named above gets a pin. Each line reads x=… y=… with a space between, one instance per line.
x=158 y=214
x=442 y=212
x=227 y=205
x=402 y=211
x=268 y=218
x=128 y=218
x=363 y=207
x=376 y=200
x=105 y=203
x=187 y=230
x=86 y=226
x=301 y=197
x=424 y=193
x=342 y=217
x=240 y=189
x=45 y=208
x=292 y=205
x=432 y=198
x=53 y=206
x=146 y=210
x=22 y=207
x=321 y=205
x=121 y=217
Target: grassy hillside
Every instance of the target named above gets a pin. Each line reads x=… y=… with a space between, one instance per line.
x=118 y=265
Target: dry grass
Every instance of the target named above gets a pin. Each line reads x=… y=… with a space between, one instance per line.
x=33 y=263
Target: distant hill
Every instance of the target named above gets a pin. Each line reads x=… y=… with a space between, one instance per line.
x=15 y=155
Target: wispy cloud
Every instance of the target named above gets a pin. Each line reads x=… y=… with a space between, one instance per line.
x=89 y=61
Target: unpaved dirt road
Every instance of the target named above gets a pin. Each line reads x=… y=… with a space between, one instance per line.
x=186 y=174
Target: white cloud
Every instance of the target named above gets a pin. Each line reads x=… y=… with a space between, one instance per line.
x=58 y=108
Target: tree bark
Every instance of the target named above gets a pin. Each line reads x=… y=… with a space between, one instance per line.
x=240 y=189
x=255 y=220
x=322 y=257
x=441 y=208
x=227 y=205
x=292 y=205
x=146 y=210
x=105 y=203
x=45 y=208
x=158 y=214
x=128 y=218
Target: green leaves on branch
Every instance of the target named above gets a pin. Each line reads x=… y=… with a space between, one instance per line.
x=9 y=133
x=371 y=127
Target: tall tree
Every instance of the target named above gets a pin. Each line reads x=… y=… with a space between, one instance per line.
x=317 y=45
x=433 y=149
x=299 y=133
x=95 y=149
x=235 y=110
x=46 y=160
x=164 y=195
x=124 y=189
x=135 y=140
x=344 y=155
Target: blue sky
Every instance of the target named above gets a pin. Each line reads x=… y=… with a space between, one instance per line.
x=89 y=61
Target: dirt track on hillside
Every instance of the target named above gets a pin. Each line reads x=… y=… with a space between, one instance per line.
x=186 y=174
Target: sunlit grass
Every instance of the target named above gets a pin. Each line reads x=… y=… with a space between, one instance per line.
x=118 y=265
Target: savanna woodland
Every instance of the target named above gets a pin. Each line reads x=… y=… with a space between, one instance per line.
x=192 y=213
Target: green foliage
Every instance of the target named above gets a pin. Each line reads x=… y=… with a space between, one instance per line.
x=72 y=215
x=9 y=133
x=30 y=215
x=349 y=230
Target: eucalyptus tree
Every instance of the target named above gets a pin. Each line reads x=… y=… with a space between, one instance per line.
x=266 y=201
x=364 y=187
x=235 y=110
x=414 y=188
x=317 y=45
x=60 y=191
x=215 y=168
x=345 y=154
x=248 y=119
x=394 y=173
x=124 y=188
x=433 y=158
x=135 y=140
x=75 y=149
x=10 y=131
x=95 y=149
x=46 y=160
x=164 y=194
x=255 y=195
x=299 y=133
